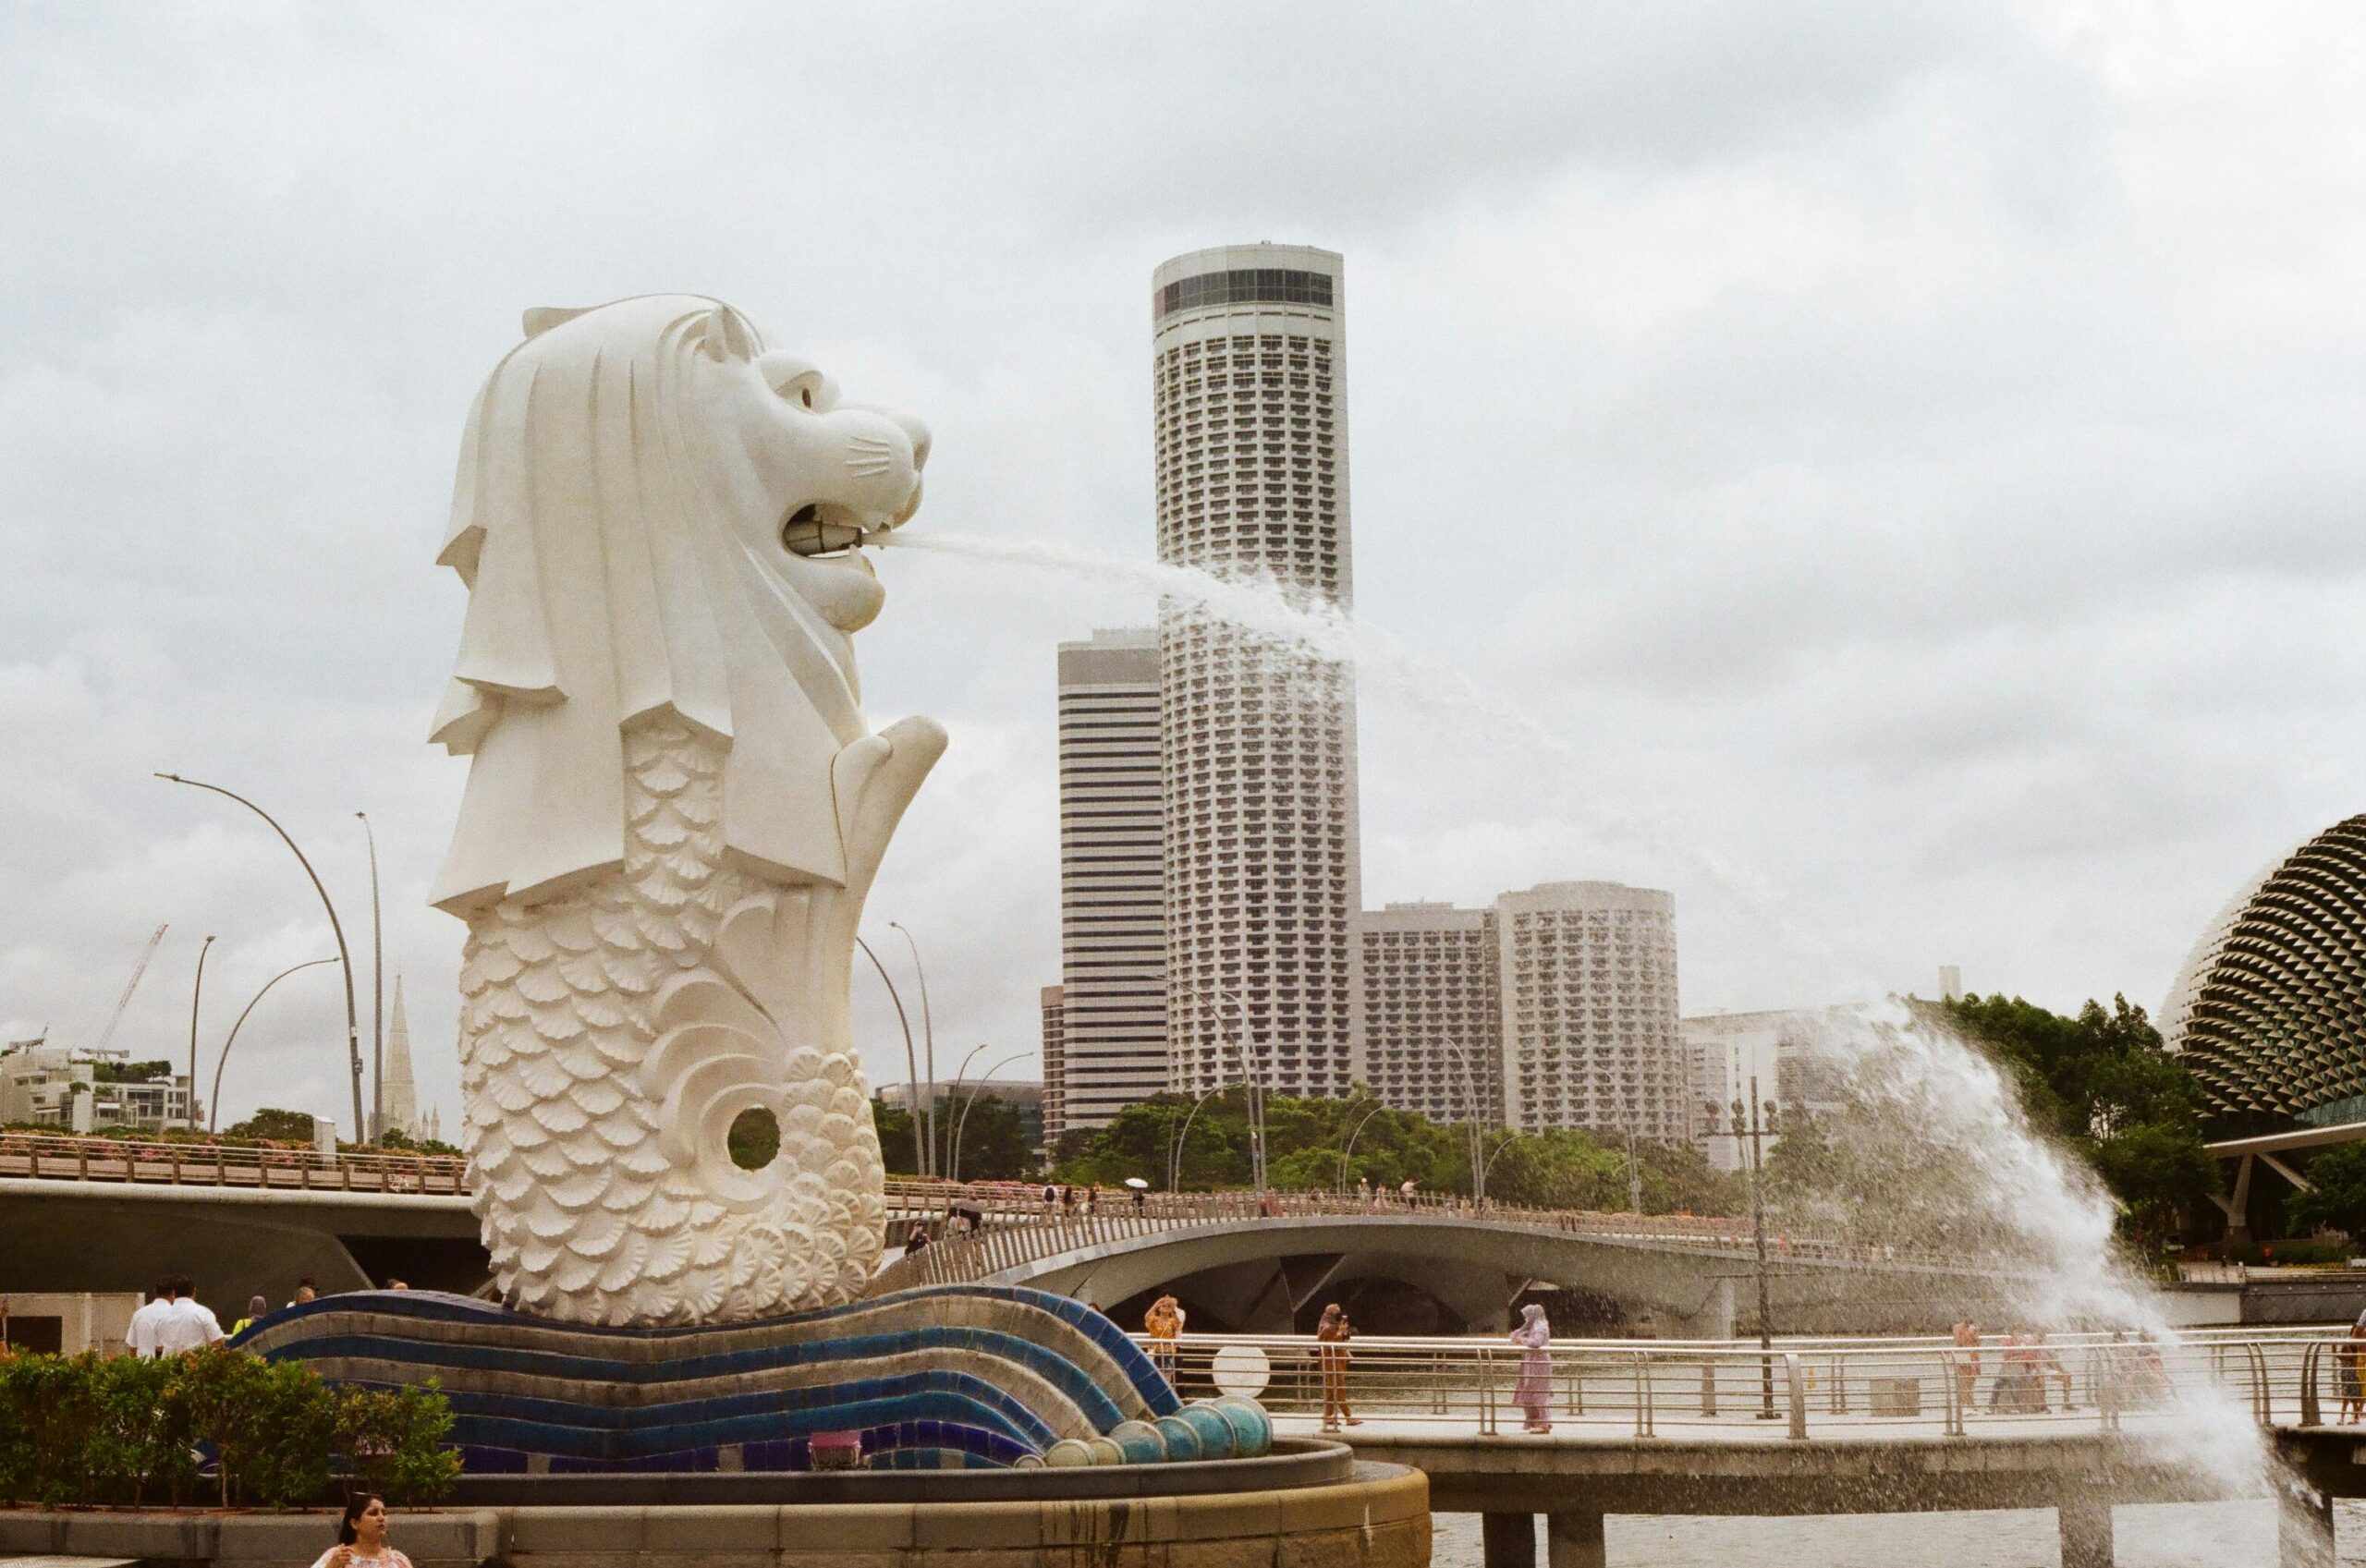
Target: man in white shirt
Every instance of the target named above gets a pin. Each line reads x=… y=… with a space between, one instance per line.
x=193 y=1325
x=146 y=1334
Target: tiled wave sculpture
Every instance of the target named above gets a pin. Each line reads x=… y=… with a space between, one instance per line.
x=951 y=1377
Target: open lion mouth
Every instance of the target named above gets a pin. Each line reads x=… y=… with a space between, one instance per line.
x=819 y=528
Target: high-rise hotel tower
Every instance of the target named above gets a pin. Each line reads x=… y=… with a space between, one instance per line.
x=1113 y=907
x=1259 y=742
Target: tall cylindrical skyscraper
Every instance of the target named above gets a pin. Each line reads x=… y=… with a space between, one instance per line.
x=1248 y=353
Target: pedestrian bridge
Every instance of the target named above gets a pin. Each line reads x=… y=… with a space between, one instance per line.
x=1244 y=1263
x=85 y=1213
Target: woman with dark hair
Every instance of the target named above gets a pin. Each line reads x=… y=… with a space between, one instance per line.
x=361 y=1536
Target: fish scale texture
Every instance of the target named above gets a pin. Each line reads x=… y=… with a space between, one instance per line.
x=588 y=1216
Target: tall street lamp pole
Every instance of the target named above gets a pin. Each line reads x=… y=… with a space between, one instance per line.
x=911 y=1066
x=1470 y=1093
x=377 y=993
x=1174 y=1147
x=961 y=1123
x=337 y=929
x=928 y=1034
x=1748 y=1130
x=959 y=1074
x=214 y=1101
x=1253 y=1081
x=195 y=992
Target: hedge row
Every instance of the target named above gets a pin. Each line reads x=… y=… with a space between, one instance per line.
x=115 y=1429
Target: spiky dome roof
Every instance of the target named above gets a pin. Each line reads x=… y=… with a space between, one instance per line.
x=2269 y=1011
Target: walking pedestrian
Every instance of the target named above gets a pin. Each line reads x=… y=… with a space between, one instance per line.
x=145 y=1336
x=1332 y=1335
x=361 y=1537
x=256 y=1306
x=192 y=1324
x=1533 y=1393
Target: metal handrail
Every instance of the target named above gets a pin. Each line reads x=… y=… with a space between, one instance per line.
x=1657 y=1389
x=171 y=1164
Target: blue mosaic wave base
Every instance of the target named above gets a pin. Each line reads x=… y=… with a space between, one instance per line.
x=950 y=1377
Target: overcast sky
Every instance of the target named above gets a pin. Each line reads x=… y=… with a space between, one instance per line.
x=1912 y=451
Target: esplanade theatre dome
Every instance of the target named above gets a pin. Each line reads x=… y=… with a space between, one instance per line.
x=2269 y=1013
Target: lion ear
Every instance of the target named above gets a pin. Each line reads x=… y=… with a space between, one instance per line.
x=542 y=318
x=725 y=335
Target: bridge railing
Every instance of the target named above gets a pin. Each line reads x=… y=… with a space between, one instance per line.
x=979 y=1232
x=160 y=1163
x=2072 y=1383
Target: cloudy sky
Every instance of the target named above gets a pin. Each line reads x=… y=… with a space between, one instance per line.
x=1909 y=453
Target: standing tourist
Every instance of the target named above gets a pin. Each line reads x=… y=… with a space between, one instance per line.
x=1164 y=1323
x=256 y=1306
x=1533 y=1393
x=1967 y=1335
x=145 y=1337
x=1363 y=1190
x=2349 y=1362
x=1405 y=1192
x=361 y=1537
x=1332 y=1335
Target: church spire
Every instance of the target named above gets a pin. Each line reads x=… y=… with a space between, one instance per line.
x=402 y=1094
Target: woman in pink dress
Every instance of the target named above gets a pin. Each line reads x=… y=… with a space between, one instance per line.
x=1534 y=1392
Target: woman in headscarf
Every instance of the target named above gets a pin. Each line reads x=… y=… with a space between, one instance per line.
x=1331 y=1349
x=1534 y=1392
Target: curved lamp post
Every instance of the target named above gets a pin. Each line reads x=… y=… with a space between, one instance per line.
x=214 y=1101
x=1348 y=1153
x=1470 y=1089
x=977 y=1089
x=920 y=1147
x=195 y=992
x=337 y=929
x=960 y=1073
x=1512 y=1135
x=928 y=1034
x=1174 y=1150
x=1250 y=1078
x=377 y=993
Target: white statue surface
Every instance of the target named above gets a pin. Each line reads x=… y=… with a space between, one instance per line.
x=674 y=809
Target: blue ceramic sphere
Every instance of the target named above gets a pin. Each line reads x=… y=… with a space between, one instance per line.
x=1217 y=1439
x=1140 y=1441
x=1182 y=1440
x=1252 y=1429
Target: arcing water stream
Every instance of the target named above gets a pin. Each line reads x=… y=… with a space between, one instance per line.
x=1969 y=1150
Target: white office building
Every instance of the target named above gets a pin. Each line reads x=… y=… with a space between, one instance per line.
x=1427 y=1009
x=1112 y=1003
x=1589 y=1011
x=1249 y=360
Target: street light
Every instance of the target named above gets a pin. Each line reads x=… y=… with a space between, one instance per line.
x=377 y=993
x=1470 y=1092
x=1512 y=1136
x=961 y=1122
x=195 y=992
x=1348 y=1153
x=920 y=1145
x=1748 y=1133
x=960 y=1073
x=337 y=929
x=213 y=1101
x=1175 y=1146
x=1251 y=1080
x=928 y=1033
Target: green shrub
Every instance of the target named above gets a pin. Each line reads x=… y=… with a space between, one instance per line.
x=2296 y=1253
x=84 y=1430
x=393 y=1440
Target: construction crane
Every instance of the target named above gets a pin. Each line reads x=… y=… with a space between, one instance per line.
x=129 y=986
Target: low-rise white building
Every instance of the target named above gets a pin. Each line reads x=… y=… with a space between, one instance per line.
x=78 y=1091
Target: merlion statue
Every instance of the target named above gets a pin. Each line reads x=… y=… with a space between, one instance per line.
x=674 y=811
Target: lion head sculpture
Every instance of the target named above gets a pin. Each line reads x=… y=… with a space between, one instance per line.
x=657 y=515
